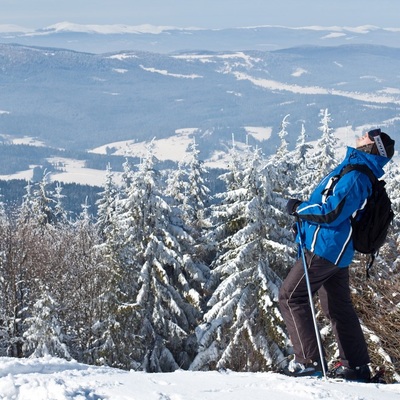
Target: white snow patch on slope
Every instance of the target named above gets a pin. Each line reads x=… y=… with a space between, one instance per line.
x=120 y=70
x=123 y=56
x=165 y=72
x=74 y=171
x=259 y=133
x=333 y=35
x=275 y=85
x=173 y=148
x=299 y=72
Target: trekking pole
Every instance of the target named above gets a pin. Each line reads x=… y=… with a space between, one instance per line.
x=310 y=296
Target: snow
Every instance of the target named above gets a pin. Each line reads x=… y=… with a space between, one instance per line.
x=156 y=29
x=246 y=59
x=165 y=72
x=310 y=90
x=299 y=72
x=75 y=172
x=120 y=70
x=10 y=28
x=53 y=378
x=122 y=56
x=174 y=148
x=27 y=140
x=333 y=35
x=108 y=29
x=260 y=133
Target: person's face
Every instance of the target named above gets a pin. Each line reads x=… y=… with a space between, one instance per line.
x=363 y=140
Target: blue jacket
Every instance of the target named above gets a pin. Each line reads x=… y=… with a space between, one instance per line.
x=326 y=227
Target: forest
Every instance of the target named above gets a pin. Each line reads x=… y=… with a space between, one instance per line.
x=167 y=276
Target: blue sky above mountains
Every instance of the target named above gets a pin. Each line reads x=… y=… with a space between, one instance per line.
x=202 y=13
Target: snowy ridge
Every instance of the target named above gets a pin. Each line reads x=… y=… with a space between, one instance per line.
x=262 y=37
x=106 y=29
x=9 y=28
x=53 y=378
x=66 y=26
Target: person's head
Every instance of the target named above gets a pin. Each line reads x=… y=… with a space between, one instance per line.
x=376 y=142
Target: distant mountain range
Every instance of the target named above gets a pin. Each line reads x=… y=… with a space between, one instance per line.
x=166 y=39
x=87 y=88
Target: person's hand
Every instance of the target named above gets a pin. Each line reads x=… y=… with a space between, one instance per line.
x=292 y=205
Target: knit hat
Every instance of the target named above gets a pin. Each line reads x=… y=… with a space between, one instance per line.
x=383 y=143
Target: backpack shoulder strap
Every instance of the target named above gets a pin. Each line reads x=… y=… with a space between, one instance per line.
x=361 y=168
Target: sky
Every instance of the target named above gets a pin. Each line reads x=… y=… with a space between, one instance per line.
x=53 y=378
x=202 y=13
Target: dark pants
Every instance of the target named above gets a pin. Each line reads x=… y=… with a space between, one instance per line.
x=332 y=284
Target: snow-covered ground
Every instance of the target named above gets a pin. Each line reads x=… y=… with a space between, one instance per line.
x=57 y=379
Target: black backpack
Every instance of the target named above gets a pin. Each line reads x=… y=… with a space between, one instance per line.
x=371 y=224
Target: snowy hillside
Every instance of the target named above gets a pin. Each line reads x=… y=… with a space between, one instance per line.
x=110 y=89
x=82 y=101
x=51 y=378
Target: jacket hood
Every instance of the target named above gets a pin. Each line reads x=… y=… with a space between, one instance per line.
x=374 y=162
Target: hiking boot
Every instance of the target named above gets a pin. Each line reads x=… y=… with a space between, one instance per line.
x=297 y=369
x=359 y=374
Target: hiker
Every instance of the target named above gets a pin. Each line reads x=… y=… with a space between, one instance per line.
x=326 y=233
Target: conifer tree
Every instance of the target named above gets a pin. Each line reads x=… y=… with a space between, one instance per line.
x=302 y=170
x=242 y=329
x=151 y=307
x=43 y=204
x=59 y=212
x=323 y=160
x=112 y=341
x=189 y=197
x=197 y=197
x=106 y=204
x=44 y=334
x=165 y=297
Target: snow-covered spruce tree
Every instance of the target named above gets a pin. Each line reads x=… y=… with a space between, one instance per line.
x=44 y=336
x=166 y=301
x=242 y=329
x=112 y=339
x=188 y=196
x=324 y=159
x=43 y=212
x=127 y=174
x=106 y=204
x=196 y=201
x=286 y=170
x=60 y=214
x=149 y=307
x=302 y=176
x=279 y=167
